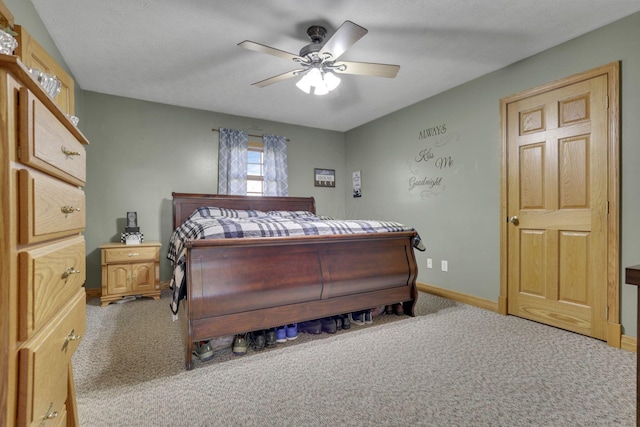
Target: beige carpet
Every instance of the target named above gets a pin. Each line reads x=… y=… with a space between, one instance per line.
x=452 y=365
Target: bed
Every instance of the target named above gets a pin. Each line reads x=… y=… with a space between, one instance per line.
x=239 y=285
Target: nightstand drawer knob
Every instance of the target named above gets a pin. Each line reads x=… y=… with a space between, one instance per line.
x=69 y=209
x=69 y=153
x=69 y=271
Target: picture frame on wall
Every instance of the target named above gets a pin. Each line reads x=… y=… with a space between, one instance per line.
x=324 y=177
x=357 y=184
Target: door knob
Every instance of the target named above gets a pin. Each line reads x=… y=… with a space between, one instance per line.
x=514 y=220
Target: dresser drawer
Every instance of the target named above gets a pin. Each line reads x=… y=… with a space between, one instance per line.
x=44 y=365
x=49 y=208
x=46 y=144
x=132 y=253
x=49 y=277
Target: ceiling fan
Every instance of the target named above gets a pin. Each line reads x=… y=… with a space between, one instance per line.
x=320 y=62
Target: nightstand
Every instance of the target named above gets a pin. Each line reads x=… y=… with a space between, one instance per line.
x=130 y=270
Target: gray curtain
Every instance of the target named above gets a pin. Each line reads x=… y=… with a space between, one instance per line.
x=275 y=165
x=232 y=162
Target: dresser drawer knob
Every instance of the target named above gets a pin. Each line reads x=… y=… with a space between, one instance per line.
x=69 y=209
x=71 y=337
x=130 y=254
x=49 y=415
x=69 y=271
x=69 y=153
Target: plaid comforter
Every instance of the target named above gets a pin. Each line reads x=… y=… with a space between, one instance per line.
x=219 y=223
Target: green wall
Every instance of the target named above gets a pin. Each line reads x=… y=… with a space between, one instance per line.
x=140 y=152
x=460 y=219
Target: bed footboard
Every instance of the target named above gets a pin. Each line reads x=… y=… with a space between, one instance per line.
x=241 y=285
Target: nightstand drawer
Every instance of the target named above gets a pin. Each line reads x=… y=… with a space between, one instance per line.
x=44 y=364
x=49 y=277
x=46 y=144
x=132 y=253
x=50 y=208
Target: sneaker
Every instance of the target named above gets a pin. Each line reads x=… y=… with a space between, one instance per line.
x=338 y=320
x=357 y=317
x=257 y=340
x=271 y=338
x=368 y=317
x=203 y=351
x=345 y=321
x=398 y=309
x=239 y=345
x=281 y=334
x=292 y=331
x=328 y=325
x=310 y=327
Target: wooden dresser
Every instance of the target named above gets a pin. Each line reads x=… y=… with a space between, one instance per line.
x=42 y=252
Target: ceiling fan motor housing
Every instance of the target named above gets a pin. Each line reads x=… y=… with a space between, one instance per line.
x=316 y=34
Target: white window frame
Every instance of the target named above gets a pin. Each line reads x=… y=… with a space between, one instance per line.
x=255 y=146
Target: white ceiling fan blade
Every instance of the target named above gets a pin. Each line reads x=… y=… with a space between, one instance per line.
x=257 y=47
x=278 y=78
x=342 y=39
x=367 y=69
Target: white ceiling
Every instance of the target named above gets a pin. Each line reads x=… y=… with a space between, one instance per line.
x=185 y=53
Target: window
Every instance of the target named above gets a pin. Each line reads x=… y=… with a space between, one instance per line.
x=255 y=169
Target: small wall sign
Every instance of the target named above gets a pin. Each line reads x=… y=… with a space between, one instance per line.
x=324 y=177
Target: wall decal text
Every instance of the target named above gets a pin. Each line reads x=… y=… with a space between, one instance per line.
x=430 y=164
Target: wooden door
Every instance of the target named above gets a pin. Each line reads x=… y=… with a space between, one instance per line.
x=558 y=207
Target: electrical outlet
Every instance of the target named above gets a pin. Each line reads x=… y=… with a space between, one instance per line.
x=445 y=266
x=429 y=263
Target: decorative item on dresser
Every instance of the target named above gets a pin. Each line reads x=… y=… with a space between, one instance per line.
x=42 y=252
x=130 y=270
x=34 y=56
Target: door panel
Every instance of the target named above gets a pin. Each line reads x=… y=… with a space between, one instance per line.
x=143 y=276
x=119 y=278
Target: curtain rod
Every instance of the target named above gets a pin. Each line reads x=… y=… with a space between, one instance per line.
x=257 y=136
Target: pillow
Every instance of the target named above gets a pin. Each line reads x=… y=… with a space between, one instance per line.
x=292 y=214
x=326 y=218
x=216 y=212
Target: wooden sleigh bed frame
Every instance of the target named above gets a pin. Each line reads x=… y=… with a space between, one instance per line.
x=241 y=285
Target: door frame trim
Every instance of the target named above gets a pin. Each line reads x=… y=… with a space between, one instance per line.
x=612 y=71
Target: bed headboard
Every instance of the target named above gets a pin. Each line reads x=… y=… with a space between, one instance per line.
x=185 y=203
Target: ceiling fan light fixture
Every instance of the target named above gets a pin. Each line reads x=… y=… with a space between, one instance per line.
x=322 y=82
x=332 y=81
x=304 y=84
x=321 y=89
